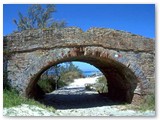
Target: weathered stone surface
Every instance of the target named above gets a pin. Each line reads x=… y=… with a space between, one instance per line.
x=107 y=38
x=127 y=60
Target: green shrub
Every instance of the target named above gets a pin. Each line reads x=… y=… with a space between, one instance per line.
x=64 y=74
x=11 y=98
x=101 y=86
x=61 y=84
x=68 y=77
x=47 y=85
x=149 y=102
x=145 y=103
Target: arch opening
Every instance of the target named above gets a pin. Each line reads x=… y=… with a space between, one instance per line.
x=87 y=85
x=121 y=80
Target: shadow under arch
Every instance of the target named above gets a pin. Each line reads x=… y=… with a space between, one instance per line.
x=121 y=80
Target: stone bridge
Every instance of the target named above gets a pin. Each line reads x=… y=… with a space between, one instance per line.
x=126 y=60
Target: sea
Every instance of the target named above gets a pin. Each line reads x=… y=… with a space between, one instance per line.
x=90 y=73
x=85 y=73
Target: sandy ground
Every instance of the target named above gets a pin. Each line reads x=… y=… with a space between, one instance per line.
x=74 y=100
x=82 y=81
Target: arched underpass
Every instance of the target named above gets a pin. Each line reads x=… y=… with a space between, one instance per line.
x=125 y=59
x=76 y=98
x=121 y=80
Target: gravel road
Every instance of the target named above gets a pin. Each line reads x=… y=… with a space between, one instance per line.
x=74 y=100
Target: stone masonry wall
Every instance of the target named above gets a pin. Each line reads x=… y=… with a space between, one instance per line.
x=30 y=51
x=50 y=38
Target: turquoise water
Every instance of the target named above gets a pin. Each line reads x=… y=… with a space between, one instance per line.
x=89 y=73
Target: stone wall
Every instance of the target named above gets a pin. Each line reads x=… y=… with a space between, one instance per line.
x=130 y=57
x=68 y=37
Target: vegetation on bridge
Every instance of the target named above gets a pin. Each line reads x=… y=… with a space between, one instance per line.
x=38 y=16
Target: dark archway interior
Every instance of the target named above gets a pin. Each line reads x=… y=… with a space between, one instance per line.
x=121 y=80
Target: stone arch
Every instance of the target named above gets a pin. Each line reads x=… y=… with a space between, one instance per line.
x=121 y=74
x=30 y=52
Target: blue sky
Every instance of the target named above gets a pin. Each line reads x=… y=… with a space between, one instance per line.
x=134 y=18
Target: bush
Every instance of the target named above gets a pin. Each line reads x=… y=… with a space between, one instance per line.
x=11 y=98
x=146 y=102
x=47 y=85
x=68 y=77
x=149 y=102
x=69 y=72
x=64 y=74
x=101 y=86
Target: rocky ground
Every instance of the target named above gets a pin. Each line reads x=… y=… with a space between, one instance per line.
x=26 y=110
x=74 y=100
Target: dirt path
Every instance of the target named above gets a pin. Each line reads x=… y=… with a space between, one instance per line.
x=74 y=100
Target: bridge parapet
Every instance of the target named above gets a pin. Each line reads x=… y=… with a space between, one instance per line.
x=68 y=37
